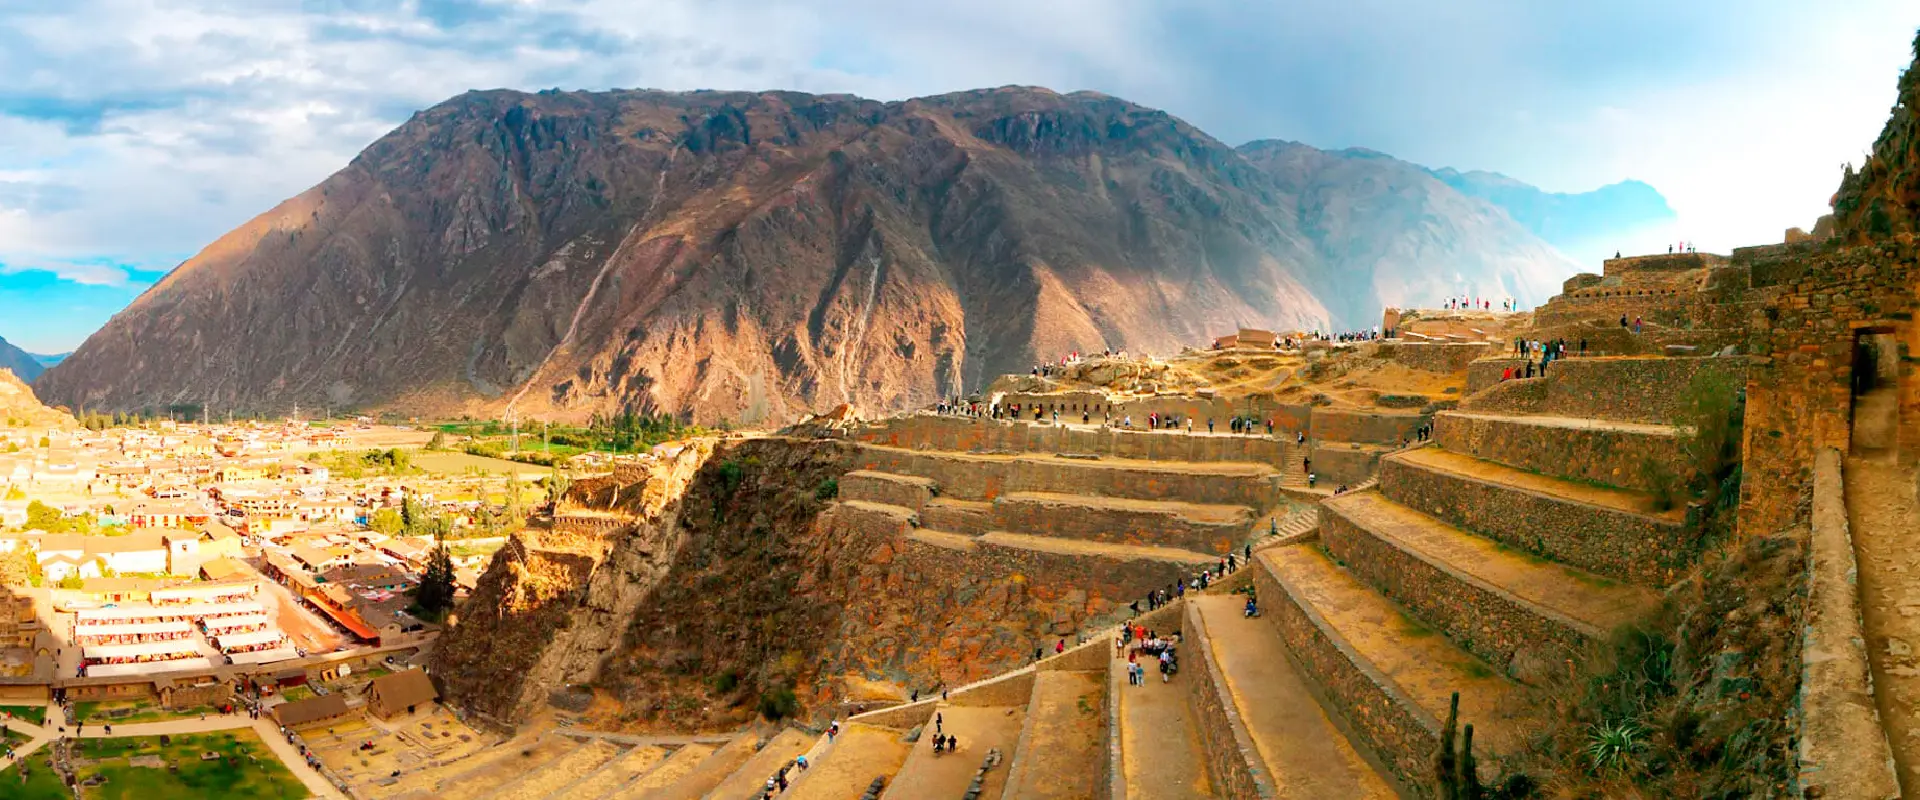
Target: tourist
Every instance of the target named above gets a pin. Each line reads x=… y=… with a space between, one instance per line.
x=1209 y=425
x=1311 y=478
x=1060 y=647
x=939 y=722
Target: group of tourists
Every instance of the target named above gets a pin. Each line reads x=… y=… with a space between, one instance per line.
x=1136 y=643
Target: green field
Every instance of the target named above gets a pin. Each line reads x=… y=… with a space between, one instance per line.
x=115 y=712
x=41 y=782
x=246 y=768
x=449 y=462
x=32 y=714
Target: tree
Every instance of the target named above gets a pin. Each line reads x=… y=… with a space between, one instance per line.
x=438 y=442
x=14 y=493
x=435 y=594
x=557 y=485
x=44 y=517
x=386 y=521
x=45 y=443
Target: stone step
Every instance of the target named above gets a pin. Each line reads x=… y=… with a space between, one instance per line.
x=1161 y=757
x=983 y=476
x=664 y=775
x=1199 y=527
x=1385 y=673
x=1077 y=547
x=908 y=491
x=1257 y=715
x=1524 y=614
x=1577 y=448
x=971 y=517
x=1610 y=532
x=1061 y=750
x=710 y=771
x=845 y=768
x=751 y=777
x=881 y=519
x=555 y=773
x=980 y=729
x=614 y=774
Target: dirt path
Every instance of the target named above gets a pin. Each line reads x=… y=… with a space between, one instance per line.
x=1886 y=536
x=979 y=729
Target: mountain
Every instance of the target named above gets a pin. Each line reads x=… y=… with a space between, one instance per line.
x=753 y=256
x=1399 y=235
x=22 y=363
x=1566 y=221
x=46 y=360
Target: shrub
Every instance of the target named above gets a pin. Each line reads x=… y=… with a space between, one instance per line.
x=1661 y=482
x=724 y=682
x=827 y=490
x=1712 y=415
x=778 y=703
x=1612 y=748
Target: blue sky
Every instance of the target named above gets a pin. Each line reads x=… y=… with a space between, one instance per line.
x=133 y=132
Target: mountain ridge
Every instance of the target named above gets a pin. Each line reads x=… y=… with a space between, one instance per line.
x=21 y=363
x=753 y=256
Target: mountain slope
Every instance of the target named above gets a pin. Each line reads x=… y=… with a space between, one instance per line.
x=23 y=365
x=757 y=255
x=1400 y=235
x=19 y=408
x=1566 y=220
x=1883 y=198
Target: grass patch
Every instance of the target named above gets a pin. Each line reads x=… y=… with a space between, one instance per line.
x=32 y=714
x=116 y=712
x=40 y=782
x=246 y=768
x=296 y=693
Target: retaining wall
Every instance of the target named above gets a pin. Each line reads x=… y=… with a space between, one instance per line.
x=1600 y=454
x=1527 y=642
x=905 y=491
x=957 y=517
x=1843 y=749
x=971 y=478
x=1382 y=718
x=973 y=435
x=1233 y=762
x=1109 y=522
x=1365 y=427
x=1641 y=549
x=1487 y=371
x=1351 y=464
x=1442 y=357
x=1629 y=389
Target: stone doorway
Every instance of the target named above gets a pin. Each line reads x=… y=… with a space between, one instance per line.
x=1876 y=393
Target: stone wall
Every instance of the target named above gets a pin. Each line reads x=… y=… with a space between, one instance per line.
x=1382 y=718
x=978 y=478
x=1487 y=371
x=953 y=516
x=968 y=434
x=1843 y=748
x=1442 y=357
x=1517 y=396
x=927 y=615
x=1799 y=396
x=1365 y=427
x=1598 y=453
x=1628 y=389
x=1351 y=464
x=905 y=491
x=1526 y=641
x=1234 y=764
x=1648 y=550
x=1107 y=521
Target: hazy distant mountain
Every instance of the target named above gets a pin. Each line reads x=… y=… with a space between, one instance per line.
x=22 y=363
x=752 y=256
x=1567 y=221
x=50 y=360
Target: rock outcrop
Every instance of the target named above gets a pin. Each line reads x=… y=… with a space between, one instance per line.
x=20 y=409
x=756 y=256
x=1883 y=197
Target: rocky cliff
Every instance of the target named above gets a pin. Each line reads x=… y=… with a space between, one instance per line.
x=758 y=255
x=1883 y=197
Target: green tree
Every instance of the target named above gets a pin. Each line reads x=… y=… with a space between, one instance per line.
x=514 y=511
x=435 y=594
x=45 y=443
x=557 y=485
x=47 y=518
x=386 y=521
